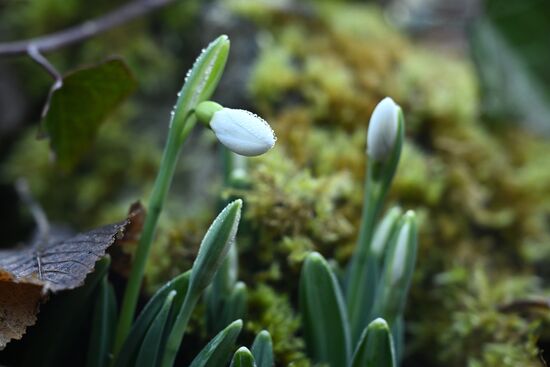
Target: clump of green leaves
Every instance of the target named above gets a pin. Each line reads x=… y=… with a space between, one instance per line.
x=350 y=325
x=156 y=335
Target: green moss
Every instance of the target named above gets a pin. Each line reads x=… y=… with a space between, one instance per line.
x=274 y=60
x=484 y=312
x=287 y=202
x=271 y=310
x=480 y=191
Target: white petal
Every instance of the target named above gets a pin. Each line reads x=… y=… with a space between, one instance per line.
x=382 y=129
x=242 y=132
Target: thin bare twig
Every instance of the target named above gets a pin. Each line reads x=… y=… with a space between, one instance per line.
x=82 y=31
x=35 y=54
x=37 y=57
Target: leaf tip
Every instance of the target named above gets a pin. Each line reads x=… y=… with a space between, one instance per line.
x=243 y=350
x=264 y=335
x=315 y=258
x=238 y=203
x=223 y=38
x=410 y=215
x=379 y=324
x=238 y=324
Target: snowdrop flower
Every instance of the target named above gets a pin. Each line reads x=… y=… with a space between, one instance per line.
x=240 y=131
x=383 y=129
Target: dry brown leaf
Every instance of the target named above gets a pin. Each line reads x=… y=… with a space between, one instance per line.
x=121 y=258
x=53 y=264
x=18 y=309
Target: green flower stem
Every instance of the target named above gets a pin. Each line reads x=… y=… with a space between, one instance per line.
x=199 y=85
x=363 y=271
x=156 y=203
x=358 y=295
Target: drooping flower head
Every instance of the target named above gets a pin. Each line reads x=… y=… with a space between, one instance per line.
x=240 y=131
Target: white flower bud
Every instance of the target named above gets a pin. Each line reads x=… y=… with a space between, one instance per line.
x=404 y=250
x=242 y=131
x=382 y=129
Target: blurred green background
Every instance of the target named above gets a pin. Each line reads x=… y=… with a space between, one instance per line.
x=472 y=77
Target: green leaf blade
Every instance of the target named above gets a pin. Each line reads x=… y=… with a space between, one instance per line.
x=243 y=358
x=130 y=347
x=324 y=318
x=375 y=348
x=225 y=300
x=215 y=246
x=212 y=252
x=104 y=318
x=151 y=348
x=398 y=271
x=262 y=349
x=218 y=351
x=235 y=306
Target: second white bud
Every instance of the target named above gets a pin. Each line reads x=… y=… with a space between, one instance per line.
x=382 y=132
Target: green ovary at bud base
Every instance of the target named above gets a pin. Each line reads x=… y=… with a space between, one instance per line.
x=205 y=111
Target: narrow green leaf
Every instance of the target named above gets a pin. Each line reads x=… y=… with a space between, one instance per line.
x=218 y=351
x=226 y=277
x=262 y=349
x=363 y=303
x=398 y=333
x=103 y=322
x=374 y=264
x=212 y=252
x=235 y=306
x=375 y=348
x=398 y=270
x=130 y=348
x=214 y=306
x=324 y=319
x=215 y=246
x=383 y=233
x=76 y=110
x=151 y=348
x=66 y=313
x=243 y=358
x=220 y=291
